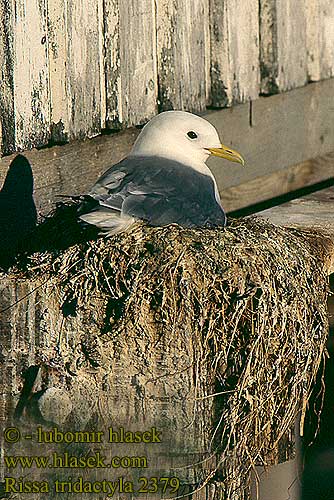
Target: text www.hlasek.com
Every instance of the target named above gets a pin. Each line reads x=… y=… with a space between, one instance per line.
x=65 y=460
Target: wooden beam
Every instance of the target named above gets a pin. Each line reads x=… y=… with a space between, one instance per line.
x=72 y=168
x=314 y=213
x=281 y=182
x=277 y=136
x=276 y=132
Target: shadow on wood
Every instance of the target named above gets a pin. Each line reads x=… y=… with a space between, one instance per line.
x=17 y=209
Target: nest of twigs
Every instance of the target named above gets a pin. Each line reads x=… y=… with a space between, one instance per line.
x=253 y=294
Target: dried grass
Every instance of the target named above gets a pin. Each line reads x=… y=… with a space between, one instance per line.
x=253 y=294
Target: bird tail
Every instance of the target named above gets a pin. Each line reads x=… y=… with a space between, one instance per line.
x=107 y=222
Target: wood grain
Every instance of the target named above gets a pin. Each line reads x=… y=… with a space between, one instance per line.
x=234 y=28
x=58 y=61
x=70 y=69
x=279 y=183
x=183 y=54
x=275 y=133
x=77 y=61
x=72 y=168
x=315 y=213
x=30 y=74
x=287 y=131
x=7 y=120
x=131 y=66
x=320 y=38
x=283 y=52
x=123 y=383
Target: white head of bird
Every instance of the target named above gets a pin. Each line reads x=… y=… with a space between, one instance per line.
x=182 y=137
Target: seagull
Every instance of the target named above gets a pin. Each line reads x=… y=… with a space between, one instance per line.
x=164 y=180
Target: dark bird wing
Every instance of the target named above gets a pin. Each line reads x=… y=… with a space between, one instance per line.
x=157 y=190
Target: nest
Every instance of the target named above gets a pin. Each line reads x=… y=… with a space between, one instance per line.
x=253 y=294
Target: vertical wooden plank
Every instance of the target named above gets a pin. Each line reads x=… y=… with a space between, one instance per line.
x=131 y=73
x=7 y=128
x=76 y=59
x=234 y=51
x=292 y=51
x=114 y=116
x=24 y=96
x=320 y=39
x=283 y=52
x=327 y=41
x=268 y=47
x=60 y=110
x=312 y=39
x=30 y=75
x=84 y=59
x=183 y=54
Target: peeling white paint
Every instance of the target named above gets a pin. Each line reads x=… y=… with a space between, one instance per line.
x=31 y=84
x=234 y=51
x=130 y=62
x=320 y=38
x=81 y=65
x=183 y=42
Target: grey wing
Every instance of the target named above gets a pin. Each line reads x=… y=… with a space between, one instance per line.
x=128 y=179
x=157 y=190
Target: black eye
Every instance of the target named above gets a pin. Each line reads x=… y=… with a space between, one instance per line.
x=192 y=134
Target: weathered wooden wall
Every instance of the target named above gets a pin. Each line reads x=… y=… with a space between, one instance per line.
x=71 y=68
x=286 y=139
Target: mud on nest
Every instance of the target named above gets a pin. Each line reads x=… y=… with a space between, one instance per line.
x=253 y=293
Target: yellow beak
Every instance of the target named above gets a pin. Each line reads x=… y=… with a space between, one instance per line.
x=227 y=153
